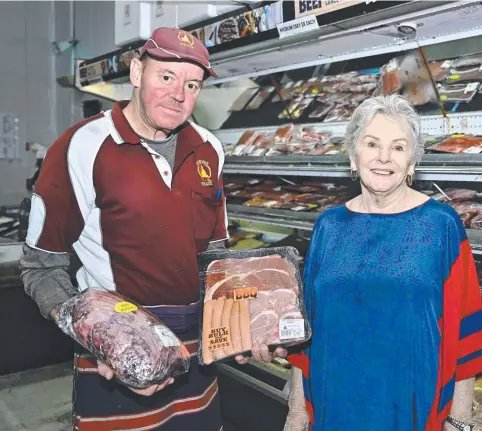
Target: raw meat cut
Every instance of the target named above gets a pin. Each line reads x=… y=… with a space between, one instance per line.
x=466 y=218
x=267 y=273
x=250 y=295
x=466 y=207
x=476 y=222
x=460 y=144
x=140 y=349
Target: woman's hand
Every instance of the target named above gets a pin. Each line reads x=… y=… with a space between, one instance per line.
x=262 y=354
x=108 y=374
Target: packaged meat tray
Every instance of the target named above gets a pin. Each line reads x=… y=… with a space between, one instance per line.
x=476 y=222
x=250 y=298
x=260 y=97
x=244 y=142
x=286 y=92
x=466 y=207
x=135 y=344
x=458 y=92
x=460 y=144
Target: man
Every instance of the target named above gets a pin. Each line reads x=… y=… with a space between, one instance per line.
x=136 y=192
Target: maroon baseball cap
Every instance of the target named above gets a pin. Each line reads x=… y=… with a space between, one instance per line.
x=172 y=44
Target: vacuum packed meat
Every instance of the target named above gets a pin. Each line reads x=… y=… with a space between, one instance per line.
x=466 y=207
x=138 y=347
x=458 y=92
x=244 y=141
x=250 y=298
x=460 y=144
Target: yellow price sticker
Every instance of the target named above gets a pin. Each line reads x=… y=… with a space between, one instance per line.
x=458 y=135
x=443 y=97
x=454 y=77
x=315 y=91
x=125 y=307
x=312 y=205
x=298 y=90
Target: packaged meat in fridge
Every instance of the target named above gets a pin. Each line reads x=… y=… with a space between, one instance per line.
x=468 y=61
x=476 y=222
x=321 y=110
x=283 y=133
x=250 y=298
x=466 y=207
x=135 y=344
x=463 y=75
x=258 y=201
x=244 y=141
x=460 y=144
x=311 y=134
x=263 y=147
x=467 y=217
x=391 y=77
x=288 y=111
x=301 y=107
x=243 y=99
x=285 y=92
x=248 y=150
x=458 y=92
x=458 y=195
x=260 y=97
x=439 y=69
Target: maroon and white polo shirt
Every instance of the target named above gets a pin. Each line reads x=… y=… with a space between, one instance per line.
x=135 y=224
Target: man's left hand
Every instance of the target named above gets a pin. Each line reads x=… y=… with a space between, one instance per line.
x=262 y=354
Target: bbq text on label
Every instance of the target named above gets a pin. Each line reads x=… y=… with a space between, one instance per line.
x=186 y=39
x=125 y=307
x=205 y=173
x=245 y=293
x=219 y=338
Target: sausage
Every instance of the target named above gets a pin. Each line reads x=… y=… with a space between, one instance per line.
x=235 y=328
x=245 y=324
x=225 y=322
x=217 y=316
x=207 y=325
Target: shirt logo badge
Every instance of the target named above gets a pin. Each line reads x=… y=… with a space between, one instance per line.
x=186 y=39
x=205 y=173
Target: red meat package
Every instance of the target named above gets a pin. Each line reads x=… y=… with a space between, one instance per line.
x=134 y=343
x=250 y=298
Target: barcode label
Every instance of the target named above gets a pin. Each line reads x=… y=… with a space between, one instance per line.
x=291 y=329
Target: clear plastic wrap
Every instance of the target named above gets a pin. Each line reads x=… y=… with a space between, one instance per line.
x=458 y=92
x=134 y=343
x=250 y=298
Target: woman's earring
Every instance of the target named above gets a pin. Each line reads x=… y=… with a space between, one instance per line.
x=353 y=175
x=410 y=179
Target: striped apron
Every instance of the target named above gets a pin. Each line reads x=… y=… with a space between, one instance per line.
x=191 y=403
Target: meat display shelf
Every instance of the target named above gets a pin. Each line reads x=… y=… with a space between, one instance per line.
x=306 y=221
x=435 y=167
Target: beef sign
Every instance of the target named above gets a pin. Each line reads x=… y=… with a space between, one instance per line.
x=249 y=302
x=140 y=349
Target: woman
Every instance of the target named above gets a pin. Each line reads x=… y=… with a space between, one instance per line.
x=391 y=292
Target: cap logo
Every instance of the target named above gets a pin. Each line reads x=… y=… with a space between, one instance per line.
x=186 y=39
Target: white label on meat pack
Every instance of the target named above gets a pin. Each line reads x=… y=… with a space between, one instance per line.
x=473 y=150
x=471 y=87
x=298 y=208
x=168 y=339
x=291 y=329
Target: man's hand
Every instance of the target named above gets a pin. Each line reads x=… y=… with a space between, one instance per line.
x=54 y=314
x=262 y=354
x=108 y=374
